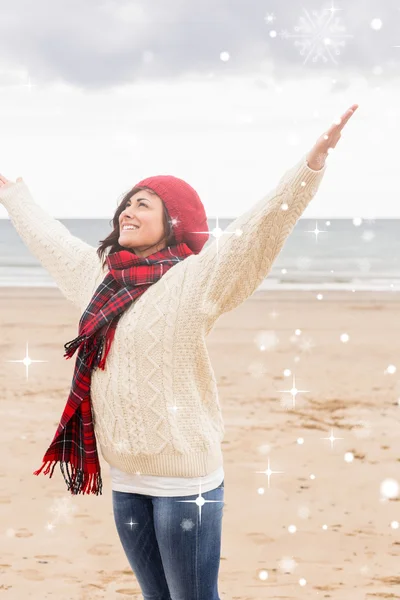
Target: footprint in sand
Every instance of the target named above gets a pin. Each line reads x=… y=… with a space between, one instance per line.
x=100 y=549
x=113 y=588
x=23 y=533
x=44 y=559
x=32 y=575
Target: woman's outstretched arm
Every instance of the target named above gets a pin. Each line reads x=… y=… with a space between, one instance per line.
x=229 y=270
x=69 y=260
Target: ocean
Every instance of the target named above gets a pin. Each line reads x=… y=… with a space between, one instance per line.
x=349 y=254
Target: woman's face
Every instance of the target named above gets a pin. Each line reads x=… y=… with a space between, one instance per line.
x=144 y=210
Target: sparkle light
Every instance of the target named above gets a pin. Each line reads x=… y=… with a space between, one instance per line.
x=263 y=575
x=394 y=524
x=376 y=24
x=349 y=457
x=389 y=488
x=331 y=438
x=200 y=501
x=344 y=338
x=174 y=408
x=131 y=523
x=269 y=18
x=391 y=369
x=292 y=529
x=224 y=56
x=294 y=391
x=28 y=85
x=316 y=231
x=217 y=232
x=27 y=361
x=302 y=582
x=320 y=296
x=300 y=441
x=269 y=472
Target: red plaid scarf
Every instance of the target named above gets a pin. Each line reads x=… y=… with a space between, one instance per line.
x=74 y=442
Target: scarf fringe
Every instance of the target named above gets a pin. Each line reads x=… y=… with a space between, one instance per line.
x=109 y=341
x=78 y=481
x=92 y=356
x=71 y=346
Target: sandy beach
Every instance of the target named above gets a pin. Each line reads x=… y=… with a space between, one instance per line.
x=322 y=529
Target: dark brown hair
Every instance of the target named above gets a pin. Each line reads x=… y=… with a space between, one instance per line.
x=112 y=239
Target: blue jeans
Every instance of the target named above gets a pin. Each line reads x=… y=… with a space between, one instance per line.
x=173 y=554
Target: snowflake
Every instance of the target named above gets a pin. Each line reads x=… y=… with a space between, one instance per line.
x=187 y=524
x=319 y=35
x=63 y=508
x=306 y=344
x=287 y=564
x=122 y=446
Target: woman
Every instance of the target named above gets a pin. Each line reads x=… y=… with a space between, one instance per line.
x=151 y=401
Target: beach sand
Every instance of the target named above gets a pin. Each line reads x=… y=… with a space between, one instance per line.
x=350 y=390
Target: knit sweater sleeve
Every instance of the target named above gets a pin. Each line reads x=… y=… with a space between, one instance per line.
x=70 y=261
x=230 y=269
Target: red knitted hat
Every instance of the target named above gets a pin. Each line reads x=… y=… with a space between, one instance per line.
x=186 y=210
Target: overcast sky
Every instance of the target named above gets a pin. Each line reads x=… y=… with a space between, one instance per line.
x=225 y=94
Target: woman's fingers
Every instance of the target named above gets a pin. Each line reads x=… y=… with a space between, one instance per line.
x=347 y=115
x=4 y=181
x=337 y=127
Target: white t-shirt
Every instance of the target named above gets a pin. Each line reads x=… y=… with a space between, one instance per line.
x=152 y=485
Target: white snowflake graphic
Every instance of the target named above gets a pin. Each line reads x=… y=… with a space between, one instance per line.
x=63 y=508
x=187 y=524
x=319 y=35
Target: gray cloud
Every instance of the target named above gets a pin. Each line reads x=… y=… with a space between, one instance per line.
x=97 y=45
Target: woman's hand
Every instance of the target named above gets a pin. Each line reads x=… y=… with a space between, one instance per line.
x=4 y=181
x=317 y=156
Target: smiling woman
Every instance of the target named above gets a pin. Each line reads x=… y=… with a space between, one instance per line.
x=143 y=207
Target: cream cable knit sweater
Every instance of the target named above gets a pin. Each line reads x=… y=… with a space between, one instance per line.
x=155 y=406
